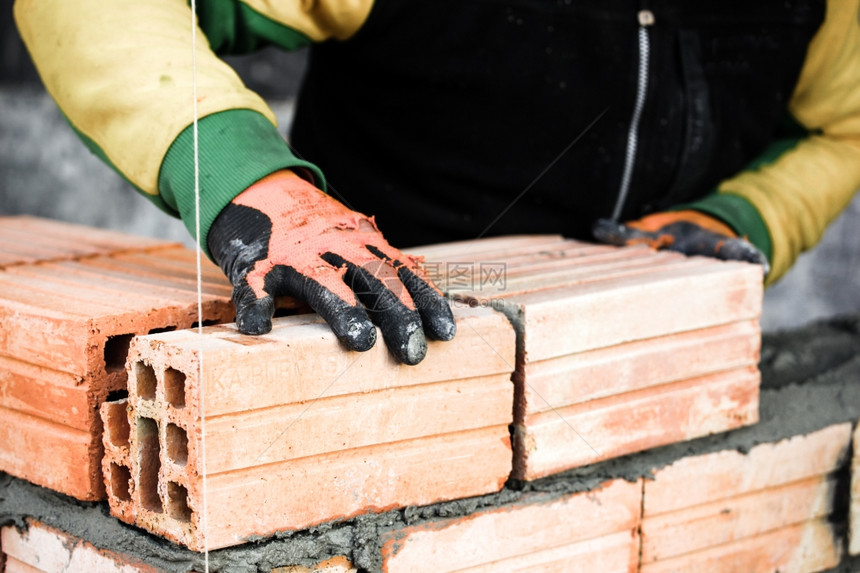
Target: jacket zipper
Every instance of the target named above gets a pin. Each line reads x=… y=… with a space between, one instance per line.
x=646 y=20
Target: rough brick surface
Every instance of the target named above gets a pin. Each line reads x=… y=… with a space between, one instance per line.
x=48 y=550
x=854 y=511
x=573 y=436
x=591 y=531
x=299 y=431
x=66 y=319
x=27 y=240
x=804 y=547
x=765 y=510
x=619 y=349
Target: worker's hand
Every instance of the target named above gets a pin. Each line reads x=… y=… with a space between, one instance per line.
x=283 y=236
x=689 y=232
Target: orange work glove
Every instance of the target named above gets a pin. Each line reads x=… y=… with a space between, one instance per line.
x=283 y=236
x=689 y=232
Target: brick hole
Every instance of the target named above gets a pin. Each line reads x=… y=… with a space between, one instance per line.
x=165 y=329
x=115 y=395
x=177 y=502
x=205 y=323
x=177 y=444
x=120 y=478
x=149 y=463
x=116 y=351
x=174 y=387
x=144 y=374
x=118 y=429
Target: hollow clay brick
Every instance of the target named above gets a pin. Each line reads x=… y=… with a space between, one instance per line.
x=588 y=531
x=612 y=341
x=854 y=511
x=738 y=517
x=627 y=367
x=801 y=548
x=562 y=438
x=27 y=240
x=52 y=455
x=613 y=552
x=722 y=475
x=48 y=550
x=64 y=330
x=769 y=509
x=604 y=313
x=300 y=431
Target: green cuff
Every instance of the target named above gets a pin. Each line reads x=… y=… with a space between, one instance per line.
x=737 y=213
x=236 y=149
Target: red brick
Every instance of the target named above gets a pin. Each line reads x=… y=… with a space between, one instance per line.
x=567 y=437
x=604 y=313
x=589 y=531
x=615 y=339
x=799 y=548
x=709 y=525
x=854 y=511
x=63 y=342
x=613 y=552
x=293 y=431
x=584 y=376
x=300 y=432
x=706 y=478
x=27 y=240
x=769 y=509
x=48 y=550
x=51 y=455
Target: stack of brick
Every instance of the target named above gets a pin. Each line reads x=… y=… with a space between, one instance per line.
x=772 y=509
x=71 y=299
x=620 y=349
x=299 y=432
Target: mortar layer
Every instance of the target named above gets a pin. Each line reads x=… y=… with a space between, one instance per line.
x=809 y=381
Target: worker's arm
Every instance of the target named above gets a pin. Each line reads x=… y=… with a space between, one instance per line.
x=122 y=72
x=786 y=198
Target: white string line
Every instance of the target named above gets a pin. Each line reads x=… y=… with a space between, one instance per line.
x=200 y=381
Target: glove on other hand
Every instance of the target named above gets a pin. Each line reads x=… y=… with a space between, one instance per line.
x=689 y=232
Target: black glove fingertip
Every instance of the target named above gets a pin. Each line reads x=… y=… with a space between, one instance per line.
x=610 y=232
x=255 y=317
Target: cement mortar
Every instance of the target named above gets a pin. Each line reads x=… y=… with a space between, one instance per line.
x=810 y=380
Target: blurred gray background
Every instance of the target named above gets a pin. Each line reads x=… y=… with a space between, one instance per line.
x=46 y=171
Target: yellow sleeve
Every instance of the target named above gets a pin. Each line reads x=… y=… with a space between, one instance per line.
x=121 y=71
x=803 y=190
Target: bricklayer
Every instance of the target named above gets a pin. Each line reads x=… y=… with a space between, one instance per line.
x=285 y=449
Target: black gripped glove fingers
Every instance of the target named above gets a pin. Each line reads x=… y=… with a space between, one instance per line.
x=284 y=237
x=435 y=312
x=401 y=326
x=349 y=323
x=677 y=234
